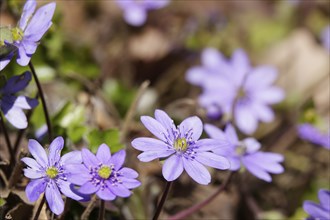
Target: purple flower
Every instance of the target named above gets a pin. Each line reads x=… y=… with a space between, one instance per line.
x=234 y=88
x=311 y=134
x=12 y=106
x=103 y=174
x=29 y=32
x=246 y=152
x=319 y=211
x=49 y=173
x=325 y=37
x=135 y=11
x=182 y=147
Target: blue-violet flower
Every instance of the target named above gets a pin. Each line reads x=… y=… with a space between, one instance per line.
x=49 y=174
x=135 y=11
x=311 y=134
x=103 y=174
x=246 y=152
x=182 y=147
x=319 y=211
x=29 y=32
x=12 y=106
x=234 y=88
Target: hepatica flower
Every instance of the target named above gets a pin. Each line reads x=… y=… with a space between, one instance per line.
x=232 y=87
x=311 y=134
x=26 y=36
x=319 y=211
x=246 y=152
x=135 y=11
x=103 y=174
x=12 y=106
x=49 y=173
x=181 y=147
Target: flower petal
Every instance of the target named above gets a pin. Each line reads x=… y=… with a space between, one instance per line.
x=235 y=163
x=151 y=155
x=212 y=160
x=35 y=188
x=271 y=95
x=212 y=144
x=256 y=170
x=214 y=132
x=324 y=196
x=17 y=83
x=166 y=121
x=103 y=153
x=89 y=159
x=252 y=145
x=54 y=198
x=128 y=172
x=172 y=168
x=38 y=152
x=212 y=58
x=33 y=164
x=260 y=77
x=105 y=194
x=315 y=210
x=191 y=127
x=155 y=127
x=119 y=190
x=89 y=188
x=66 y=188
x=25 y=102
x=197 y=171
x=33 y=174
x=149 y=144
x=245 y=119
x=263 y=112
x=130 y=183
x=231 y=134
x=72 y=157
x=135 y=15
x=118 y=159
x=28 y=10
x=16 y=117
x=22 y=58
x=55 y=149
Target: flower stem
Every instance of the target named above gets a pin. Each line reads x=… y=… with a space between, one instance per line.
x=185 y=213
x=102 y=209
x=43 y=102
x=36 y=216
x=162 y=200
x=10 y=149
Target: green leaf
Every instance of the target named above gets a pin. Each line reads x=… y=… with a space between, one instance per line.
x=76 y=133
x=110 y=137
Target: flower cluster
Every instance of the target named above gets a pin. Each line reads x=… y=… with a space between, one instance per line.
x=31 y=27
x=102 y=174
x=135 y=11
x=319 y=211
x=246 y=152
x=311 y=134
x=234 y=88
x=181 y=146
x=12 y=106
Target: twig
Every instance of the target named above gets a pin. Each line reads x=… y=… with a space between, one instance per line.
x=162 y=200
x=185 y=213
x=102 y=209
x=130 y=113
x=10 y=148
x=89 y=208
x=36 y=216
x=43 y=102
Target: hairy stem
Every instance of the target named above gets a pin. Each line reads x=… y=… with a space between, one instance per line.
x=187 y=212
x=10 y=148
x=36 y=216
x=162 y=200
x=102 y=209
x=89 y=208
x=43 y=102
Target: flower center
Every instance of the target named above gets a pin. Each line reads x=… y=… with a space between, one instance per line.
x=52 y=172
x=240 y=149
x=241 y=93
x=17 y=34
x=104 y=172
x=180 y=144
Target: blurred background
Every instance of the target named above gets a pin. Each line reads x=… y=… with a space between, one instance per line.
x=91 y=64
